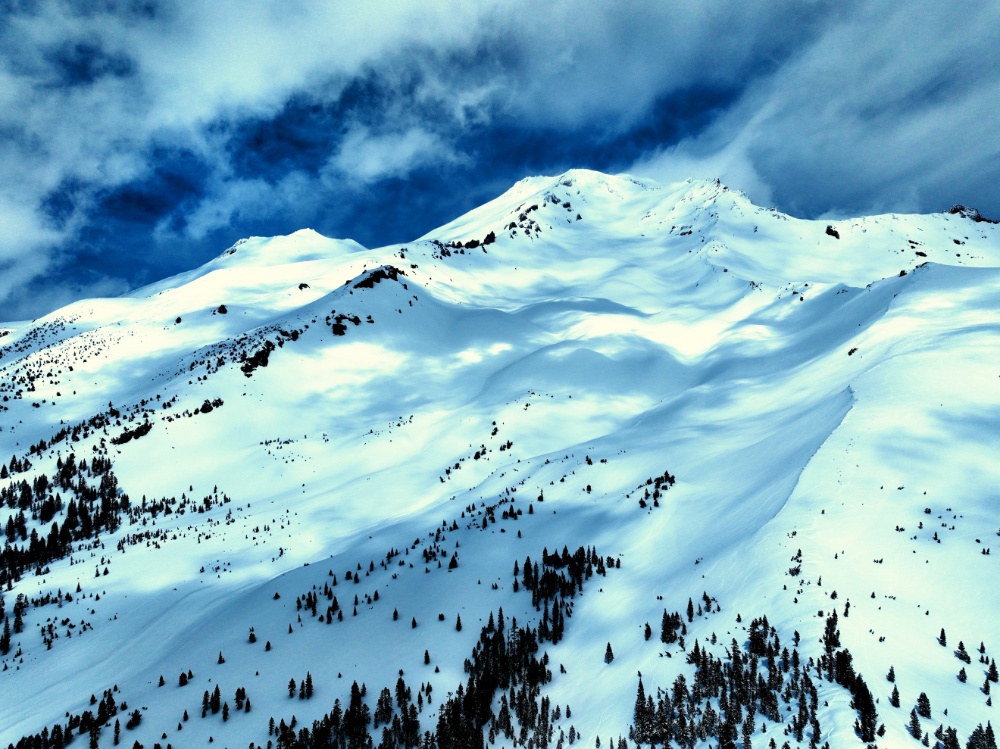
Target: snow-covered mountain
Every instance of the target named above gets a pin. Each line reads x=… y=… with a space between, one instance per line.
x=309 y=458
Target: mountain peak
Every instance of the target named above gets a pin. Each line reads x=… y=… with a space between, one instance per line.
x=716 y=418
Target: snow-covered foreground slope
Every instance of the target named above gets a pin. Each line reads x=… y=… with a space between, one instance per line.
x=342 y=451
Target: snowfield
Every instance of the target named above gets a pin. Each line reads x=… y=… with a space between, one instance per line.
x=721 y=404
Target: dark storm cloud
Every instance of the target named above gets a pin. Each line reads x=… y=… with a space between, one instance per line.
x=138 y=139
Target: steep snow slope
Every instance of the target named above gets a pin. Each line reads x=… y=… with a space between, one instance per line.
x=824 y=400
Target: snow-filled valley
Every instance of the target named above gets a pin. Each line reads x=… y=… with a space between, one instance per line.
x=594 y=402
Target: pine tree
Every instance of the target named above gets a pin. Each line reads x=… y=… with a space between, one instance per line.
x=291 y=687
x=962 y=654
x=891 y=676
x=747 y=733
x=609 y=654
x=309 y=685
x=5 y=638
x=943 y=639
x=982 y=739
x=992 y=673
x=225 y=712
x=923 y=705
x=458 y=623
x=639 y=716
x=894 y=697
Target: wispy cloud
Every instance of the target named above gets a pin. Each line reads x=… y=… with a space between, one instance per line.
x=366 y=157
x=890 y=108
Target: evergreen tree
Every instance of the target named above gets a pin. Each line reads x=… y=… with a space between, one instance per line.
x=982 y=738
x=894 y=697
x=962 y=654
x=458 y=623
x=641 y=717
x=923 y=705
x=5 y=638
x=951 y=739
x=915 y=729
x=609 y=654
x=865 y=705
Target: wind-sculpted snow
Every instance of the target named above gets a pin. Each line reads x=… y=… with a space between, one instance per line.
x=281 y=484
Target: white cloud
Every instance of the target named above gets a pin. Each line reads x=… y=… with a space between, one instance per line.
x=228 y=199
x=365 y=157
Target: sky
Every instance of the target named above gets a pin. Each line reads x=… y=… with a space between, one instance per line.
x=141 y=138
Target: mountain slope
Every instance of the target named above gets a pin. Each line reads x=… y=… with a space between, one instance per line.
x=762 y=415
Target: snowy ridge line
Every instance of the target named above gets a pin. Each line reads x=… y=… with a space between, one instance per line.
x=794 y=415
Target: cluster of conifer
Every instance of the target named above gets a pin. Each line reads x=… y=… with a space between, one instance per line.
x=505 y=659
x=96 y=507
x=757 y=680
